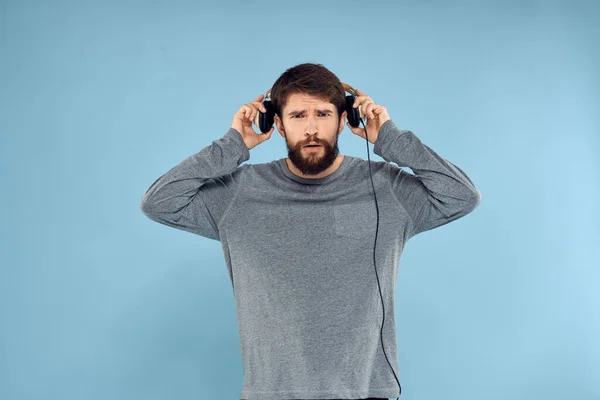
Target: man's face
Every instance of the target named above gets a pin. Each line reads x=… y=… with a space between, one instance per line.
x=308 y=120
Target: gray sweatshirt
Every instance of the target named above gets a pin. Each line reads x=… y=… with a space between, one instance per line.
x=299 y=253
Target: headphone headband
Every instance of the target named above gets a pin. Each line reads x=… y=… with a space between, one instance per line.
x=347 y=88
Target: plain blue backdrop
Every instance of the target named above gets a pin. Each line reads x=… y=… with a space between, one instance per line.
x=98 y=99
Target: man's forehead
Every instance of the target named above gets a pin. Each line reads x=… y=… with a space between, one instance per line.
x=307 y=98
x=301 y=101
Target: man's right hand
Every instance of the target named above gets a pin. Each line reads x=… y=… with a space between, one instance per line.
x=243 y=119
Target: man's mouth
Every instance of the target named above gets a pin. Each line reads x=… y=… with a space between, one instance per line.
x=312 y=145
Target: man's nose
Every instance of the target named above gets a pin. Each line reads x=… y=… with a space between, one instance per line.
x=311 y=125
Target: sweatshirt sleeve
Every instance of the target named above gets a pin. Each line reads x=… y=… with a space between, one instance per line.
x=437 y=193
x=194 y=195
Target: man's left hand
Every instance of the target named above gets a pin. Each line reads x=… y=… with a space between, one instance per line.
x=376 y=116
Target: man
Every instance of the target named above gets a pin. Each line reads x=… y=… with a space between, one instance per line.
x=298 y=236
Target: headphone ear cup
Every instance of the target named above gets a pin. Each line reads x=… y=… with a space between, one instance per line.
x=265 y=120
x=353 y=113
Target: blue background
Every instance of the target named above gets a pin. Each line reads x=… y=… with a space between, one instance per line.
x=98 y=99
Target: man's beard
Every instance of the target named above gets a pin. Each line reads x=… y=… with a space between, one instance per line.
x=313 y=162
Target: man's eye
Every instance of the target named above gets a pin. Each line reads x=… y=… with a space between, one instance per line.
x=298 y=115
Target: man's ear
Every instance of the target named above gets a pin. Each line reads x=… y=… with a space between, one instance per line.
x=279 y=126
x=342 y=122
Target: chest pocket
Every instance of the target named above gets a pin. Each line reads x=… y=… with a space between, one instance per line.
x=356 y=220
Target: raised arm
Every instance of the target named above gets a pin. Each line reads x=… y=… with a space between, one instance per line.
x=194 y=195
x=438 y=193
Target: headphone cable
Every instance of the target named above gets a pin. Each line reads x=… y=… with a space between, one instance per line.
x=374 y=246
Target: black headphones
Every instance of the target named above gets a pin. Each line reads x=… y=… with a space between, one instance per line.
x=355 y=116
x=265 y=120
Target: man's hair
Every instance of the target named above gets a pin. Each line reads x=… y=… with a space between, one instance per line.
x=311 y=79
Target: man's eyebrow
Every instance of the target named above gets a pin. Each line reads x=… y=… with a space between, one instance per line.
x=319 y=111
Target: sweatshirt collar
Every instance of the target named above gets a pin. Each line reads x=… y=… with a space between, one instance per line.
x=317 y=181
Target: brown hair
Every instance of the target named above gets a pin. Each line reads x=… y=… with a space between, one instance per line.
x=312 y=79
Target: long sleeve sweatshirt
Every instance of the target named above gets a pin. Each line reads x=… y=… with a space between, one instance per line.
x=299 y=253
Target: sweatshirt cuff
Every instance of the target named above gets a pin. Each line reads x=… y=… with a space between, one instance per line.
x=236 y=137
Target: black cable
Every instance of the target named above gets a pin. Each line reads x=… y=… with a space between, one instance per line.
x=374 y=246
